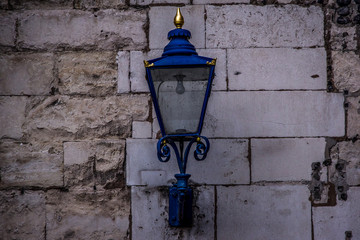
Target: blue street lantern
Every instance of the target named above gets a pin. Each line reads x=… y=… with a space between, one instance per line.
x=180 y=85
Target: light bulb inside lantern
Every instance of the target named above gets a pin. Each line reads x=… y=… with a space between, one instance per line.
x=180 y=89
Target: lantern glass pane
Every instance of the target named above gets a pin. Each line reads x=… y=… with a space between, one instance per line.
x=180 y=94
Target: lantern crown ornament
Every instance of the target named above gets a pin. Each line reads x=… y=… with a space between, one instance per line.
x=180 y=84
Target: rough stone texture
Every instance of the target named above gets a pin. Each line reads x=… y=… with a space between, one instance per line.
x=92 y=73
x=331 y=223
x=346 y=67
x=274 y=114
x=123 y=81
x=147 y=2
x=263 y=212
x=40 y=4
x=90 y=4
x=273 y=69
x=350 y=153
x=12 y=116
x=26 y=164
x=7 y=29
x=353 y=117
x=219 y=1
x=67 y=118
x=161 y=22
x=150 y=218
x=3 y=4
x=105 y=29
x=29 y=74
x=285 y=159
x=141 y=130
x=226 y=163
x=342 y=38
x=87 y=215
x=242 y=26
x=22 y=215
x=137 y=70
x=96 y=164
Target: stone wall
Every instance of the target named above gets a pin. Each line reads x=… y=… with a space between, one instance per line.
x=78 y=131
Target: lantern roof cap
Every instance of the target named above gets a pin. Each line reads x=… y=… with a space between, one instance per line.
x=179 y=39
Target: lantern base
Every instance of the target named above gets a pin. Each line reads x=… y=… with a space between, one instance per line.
x=180 y=202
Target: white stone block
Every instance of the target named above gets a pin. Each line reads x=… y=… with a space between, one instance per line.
x=161 y=22
x=226 y=163
x=331 y=223
x=285 y=159
x=277 y=68
x=219 y=82
x=242 y=26
x=137 y=69
x=123 y=81
x=263 y=212
x=150 y=215
x=141 y=129
x=275 y=114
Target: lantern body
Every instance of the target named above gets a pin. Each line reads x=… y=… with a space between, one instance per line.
x=180 y=87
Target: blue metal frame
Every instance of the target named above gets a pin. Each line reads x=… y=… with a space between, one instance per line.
x=180 y=53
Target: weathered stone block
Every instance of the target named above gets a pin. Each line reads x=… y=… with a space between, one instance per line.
x=263 y=212
x=275 y=114
x=22 y=215
x=96 y=164
x=161 y=22
x=3 y=4
x=350 y=153
x=7 y=29
x=353 y=117
x=219 y=1
x=123 y=81
x=241 y=26
x=148 y=2
x=346 y=67
x=273 y=68
x=39 y=4
x=12 y=116
x=137 y=70
x=342 y=38
x=141 y=130
x=87 y=73
x=226 y=163
x=150 y=217
x=331 y=223
x=285 y=159
x=30 y=74
x=67 y=118
x=105 y=29
x=87 y=215
x=26 y=164
x=90 y=4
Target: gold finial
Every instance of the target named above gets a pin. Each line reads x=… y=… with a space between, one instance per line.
x=178 y=19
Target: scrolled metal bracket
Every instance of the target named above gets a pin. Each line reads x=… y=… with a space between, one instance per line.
x=180 y=194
